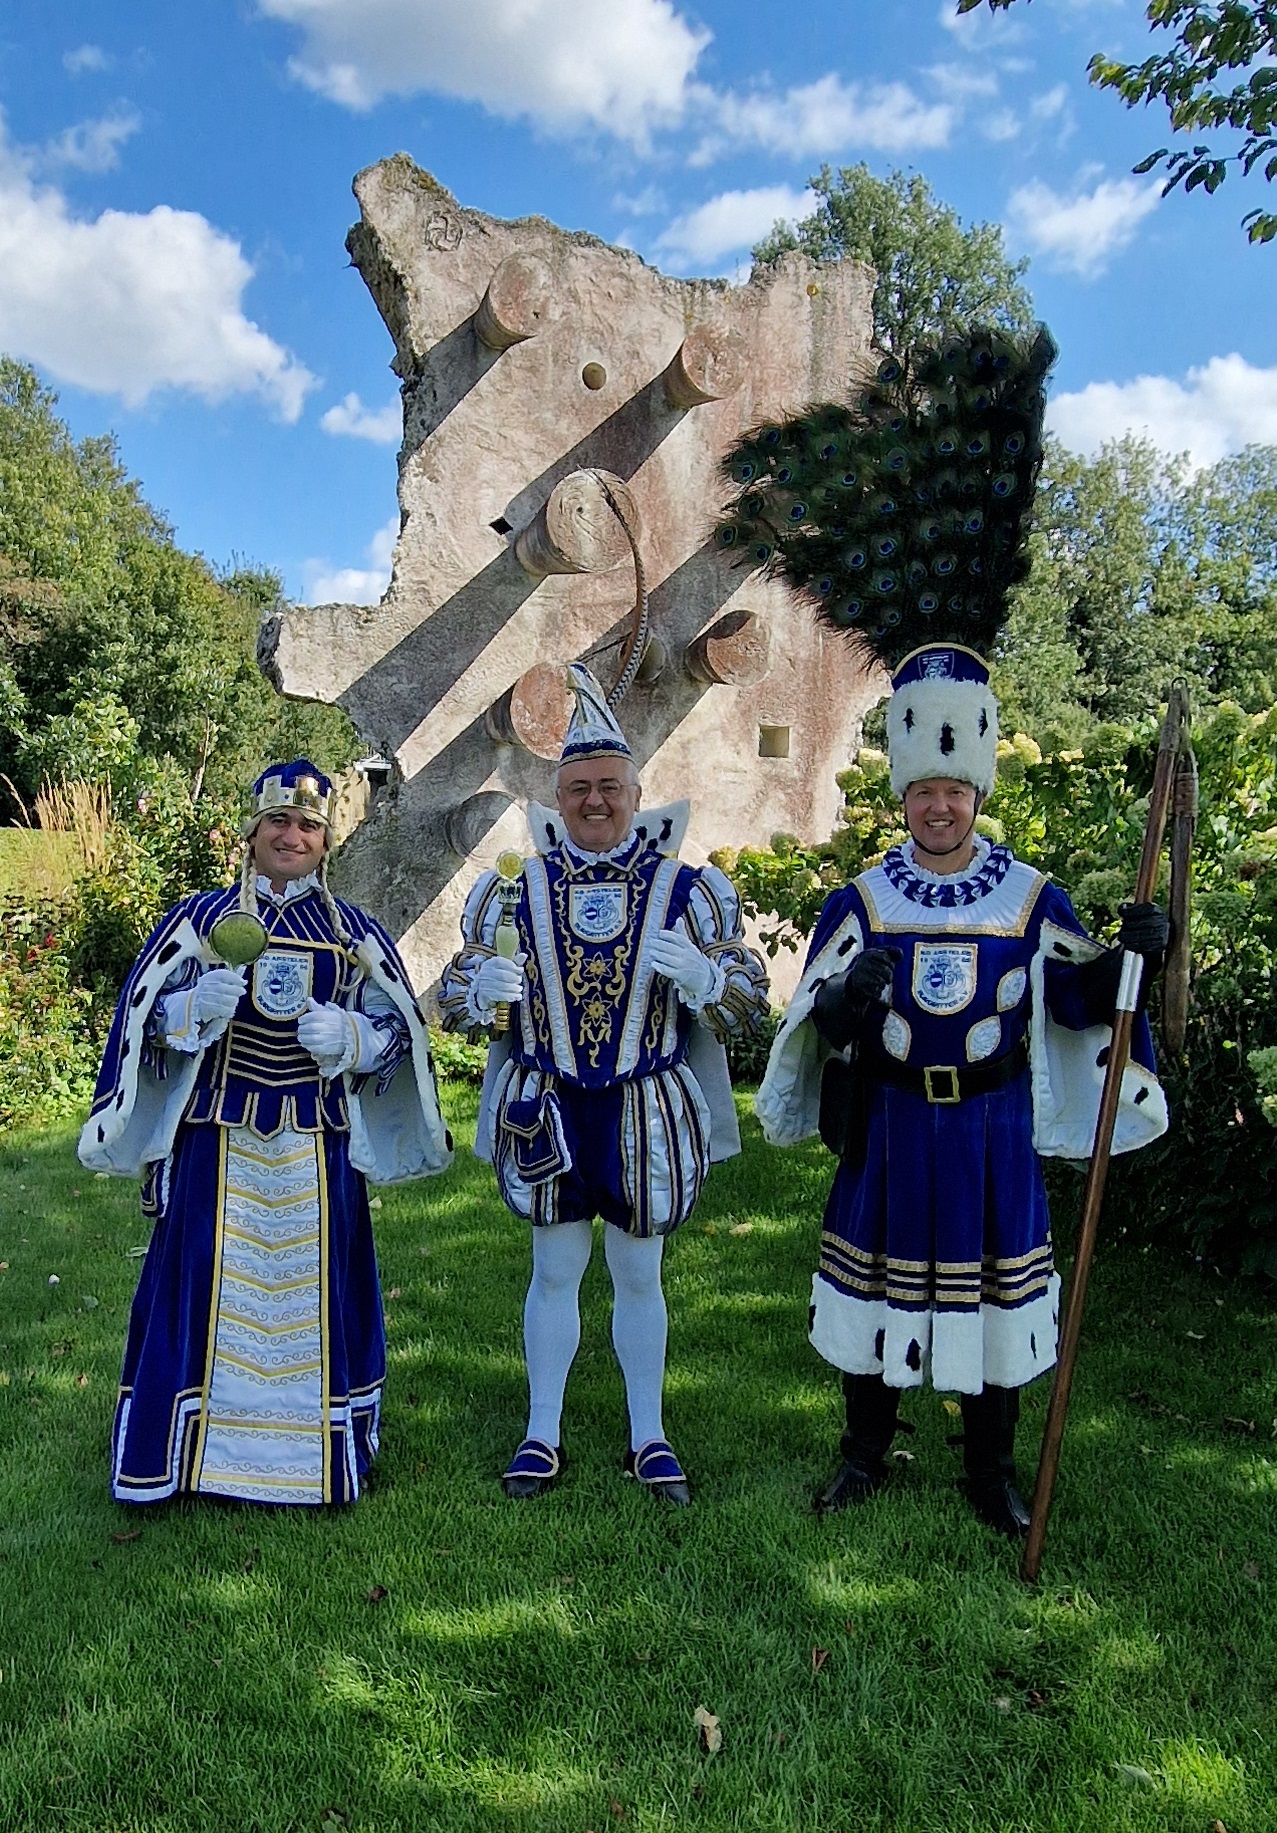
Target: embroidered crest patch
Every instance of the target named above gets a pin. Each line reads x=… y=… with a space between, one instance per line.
x=896 y=1036
x=281 y=983
x=944 y=975
x=597 y=913
x=983 y=1039
x=1011 y=989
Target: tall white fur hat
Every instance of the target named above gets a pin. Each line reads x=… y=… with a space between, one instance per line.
x=942 y=719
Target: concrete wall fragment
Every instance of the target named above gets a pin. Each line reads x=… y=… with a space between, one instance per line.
x=530 y=358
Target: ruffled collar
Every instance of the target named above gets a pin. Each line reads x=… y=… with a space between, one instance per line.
x=947 y=890
x=619 y=855
x=293 y=888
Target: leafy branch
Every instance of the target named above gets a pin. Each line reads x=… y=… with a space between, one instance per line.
x=1209 y=40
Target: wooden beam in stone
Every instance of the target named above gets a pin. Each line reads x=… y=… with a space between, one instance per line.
x=576 y=530
x=708 y=365
x=516 y=304
x=535 y=712
x=734 y=652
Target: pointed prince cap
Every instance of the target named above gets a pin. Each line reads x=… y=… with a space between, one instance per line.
x=592 y=730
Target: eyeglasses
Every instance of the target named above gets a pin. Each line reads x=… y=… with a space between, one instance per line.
x=610 y=789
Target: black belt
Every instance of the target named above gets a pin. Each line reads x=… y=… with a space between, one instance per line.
x=944 y=1084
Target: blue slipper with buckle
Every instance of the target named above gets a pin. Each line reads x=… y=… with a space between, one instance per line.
x=534 y=1468
x=657 y=1469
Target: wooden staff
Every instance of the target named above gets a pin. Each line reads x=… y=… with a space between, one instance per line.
x=1173 y=737
x=1177 y=974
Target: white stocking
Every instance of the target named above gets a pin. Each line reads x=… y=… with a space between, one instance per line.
x=639 y=1327
x=552 y=1320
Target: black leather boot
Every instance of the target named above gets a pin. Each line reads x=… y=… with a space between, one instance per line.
x=871 y=1426
x=988 y=1456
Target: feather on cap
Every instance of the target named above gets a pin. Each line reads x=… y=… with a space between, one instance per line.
x=903 y=521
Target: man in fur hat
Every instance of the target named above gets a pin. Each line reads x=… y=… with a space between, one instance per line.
x=609 y=1095
x=959 y=1017
x=253 y=1100
x=953 y=1019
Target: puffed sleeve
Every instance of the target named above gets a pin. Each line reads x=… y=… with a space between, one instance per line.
x=737 y=1002
x=457 y=1009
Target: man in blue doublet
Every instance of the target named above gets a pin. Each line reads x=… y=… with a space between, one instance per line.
x=952 y=1021
x=253 y=1101
x=608 y=1095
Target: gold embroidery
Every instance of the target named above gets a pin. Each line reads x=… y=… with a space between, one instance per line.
x=596 y=982
x=597 y=992
x=534 y=981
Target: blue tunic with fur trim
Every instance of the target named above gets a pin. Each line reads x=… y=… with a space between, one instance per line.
x=256 y=1346
x=936 y=1253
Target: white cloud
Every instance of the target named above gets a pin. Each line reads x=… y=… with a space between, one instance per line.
x=352 y=420
x=620 y=65
x=730 y=223
x=1081 y=232
x=1218 y=408
x=93 y=146
x=1050 y=103
x=650 y=201
x=626 y=67
x=353 y=585
x=826 y=116
x=962 y=82
x=85 y=57
x=1004 y=124
x=126 y=303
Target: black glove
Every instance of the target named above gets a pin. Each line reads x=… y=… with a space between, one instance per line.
x=1145 y=929
x=871 y=972
x=842 y=1002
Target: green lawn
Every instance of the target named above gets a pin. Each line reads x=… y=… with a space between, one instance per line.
x=439 y=1658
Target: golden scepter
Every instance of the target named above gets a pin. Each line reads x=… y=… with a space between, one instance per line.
x=506 y=939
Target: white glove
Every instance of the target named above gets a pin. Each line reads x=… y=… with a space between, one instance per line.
x=324 y=1031
x=678 y=958
x=499 y=982
x=216 y=995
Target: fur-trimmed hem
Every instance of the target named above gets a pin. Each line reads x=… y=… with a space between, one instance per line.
x=954 y=1351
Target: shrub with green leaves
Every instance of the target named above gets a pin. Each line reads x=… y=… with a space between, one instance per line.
x=48 y=1044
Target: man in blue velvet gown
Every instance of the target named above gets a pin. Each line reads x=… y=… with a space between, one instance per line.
x=957 y=1016
x=253 y=1102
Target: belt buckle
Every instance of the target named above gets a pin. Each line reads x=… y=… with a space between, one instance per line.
x=936 y=1099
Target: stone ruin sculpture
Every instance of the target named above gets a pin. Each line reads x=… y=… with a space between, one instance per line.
x=532 y=360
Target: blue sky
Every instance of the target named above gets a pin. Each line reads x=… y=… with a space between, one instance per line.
x=175 y=194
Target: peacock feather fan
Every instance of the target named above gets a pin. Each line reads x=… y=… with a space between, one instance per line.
x=904 y=517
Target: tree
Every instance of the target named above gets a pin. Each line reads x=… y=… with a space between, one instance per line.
x=1143 y=571
x=118 y=649
x=1209 y=39
x=935 y=277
